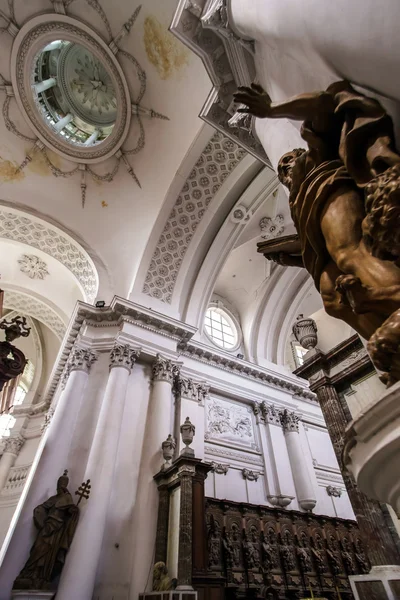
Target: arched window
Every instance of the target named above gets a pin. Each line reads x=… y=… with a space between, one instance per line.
x=221 y=328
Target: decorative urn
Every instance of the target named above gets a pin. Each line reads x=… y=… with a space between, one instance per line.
x=305 y=332
x=187 y=433
x=168 y=447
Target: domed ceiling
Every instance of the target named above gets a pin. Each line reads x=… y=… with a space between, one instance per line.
x=96 y=121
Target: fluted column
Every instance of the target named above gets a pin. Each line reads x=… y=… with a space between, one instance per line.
x=50 y=461
x=306 y=494
x=12 y=447
x=78 y=577
x=158 y=425
x=281 y=489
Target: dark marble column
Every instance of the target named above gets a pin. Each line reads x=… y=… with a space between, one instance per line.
x=185 y=475
x=162 y=525
x=378 y=541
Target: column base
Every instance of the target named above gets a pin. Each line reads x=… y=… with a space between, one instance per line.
x=381 y=583
x=170 y=595
x=32 y=594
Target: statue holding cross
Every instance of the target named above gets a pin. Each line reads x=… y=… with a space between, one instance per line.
x=56 y=520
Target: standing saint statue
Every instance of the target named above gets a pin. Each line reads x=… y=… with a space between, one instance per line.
x=345 y=204
x=56 y=521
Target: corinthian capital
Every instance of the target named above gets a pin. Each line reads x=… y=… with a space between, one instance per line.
x=163 y=369
x=290 y=421
x=194 y=390
x=13 y=445
x=122 y=355
x=81 y=359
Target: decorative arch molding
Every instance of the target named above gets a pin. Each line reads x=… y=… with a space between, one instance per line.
x=217 y=161
x=283 y=293
x=34 y=307
x=262 y=186
x=52 y=239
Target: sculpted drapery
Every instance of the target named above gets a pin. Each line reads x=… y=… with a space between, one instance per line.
x=345 y=204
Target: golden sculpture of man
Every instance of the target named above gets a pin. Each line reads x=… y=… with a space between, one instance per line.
x=56 y=521
x=345 y=204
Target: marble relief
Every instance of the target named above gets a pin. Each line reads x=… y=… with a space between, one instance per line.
x=231 y=422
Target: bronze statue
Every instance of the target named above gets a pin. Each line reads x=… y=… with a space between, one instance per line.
x=161 y=580
x=56 y=521
x=345 y=204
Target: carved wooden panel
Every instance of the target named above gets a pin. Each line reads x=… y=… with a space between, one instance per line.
x=260 y=551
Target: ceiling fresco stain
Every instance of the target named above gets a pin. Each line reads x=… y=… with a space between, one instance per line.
x=9 y=171
x=163 y=50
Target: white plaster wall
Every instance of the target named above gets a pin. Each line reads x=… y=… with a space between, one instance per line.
x=363 y=392
x=311 y=41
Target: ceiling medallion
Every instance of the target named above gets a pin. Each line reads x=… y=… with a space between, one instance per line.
x=71 y=89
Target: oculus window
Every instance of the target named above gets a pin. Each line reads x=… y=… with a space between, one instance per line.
x=221 y=329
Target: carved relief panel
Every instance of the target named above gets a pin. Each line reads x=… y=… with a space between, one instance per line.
x=231 y=423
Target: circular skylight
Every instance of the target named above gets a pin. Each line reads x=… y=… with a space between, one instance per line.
x=220 y=328
x=70 y=88
x=75 y=93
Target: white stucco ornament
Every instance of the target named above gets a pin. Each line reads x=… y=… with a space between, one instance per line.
x=73 y=93
x=33 y=266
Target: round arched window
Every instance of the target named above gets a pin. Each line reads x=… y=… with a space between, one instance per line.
x=221 y=329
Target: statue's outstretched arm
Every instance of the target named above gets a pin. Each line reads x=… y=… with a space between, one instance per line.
x=316 y=105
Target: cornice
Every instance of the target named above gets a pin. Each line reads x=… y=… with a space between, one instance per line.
x=226 y=362
x=322 y=369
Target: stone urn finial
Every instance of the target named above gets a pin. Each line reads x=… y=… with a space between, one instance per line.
x=168 y=447
x=305 y=332
x=187 y=433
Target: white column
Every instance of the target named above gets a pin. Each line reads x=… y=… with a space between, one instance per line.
x=42 y=86
x=282 y=490
x=91 y=140
x=306 y=494
x=50 y=462
x=59 y=126
x=12 y=447
x=159 y=424
x=78 y=576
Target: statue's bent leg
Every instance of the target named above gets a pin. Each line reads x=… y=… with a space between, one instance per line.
x=378 y=289
x=365 y=325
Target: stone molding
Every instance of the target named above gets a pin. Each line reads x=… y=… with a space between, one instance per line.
x=163 y=369
x=204 y=27
x=81 y=359
x=215 y=451
x=13 y=445
x=205 y=354
x=47 y=419
x=333 y=491
x=290 y=421
x=250 y=475
x=123 y=355
x=343 y=365
x=219 y=468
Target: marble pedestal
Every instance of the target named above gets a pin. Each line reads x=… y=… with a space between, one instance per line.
x=32 y=595
x=381 y=583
